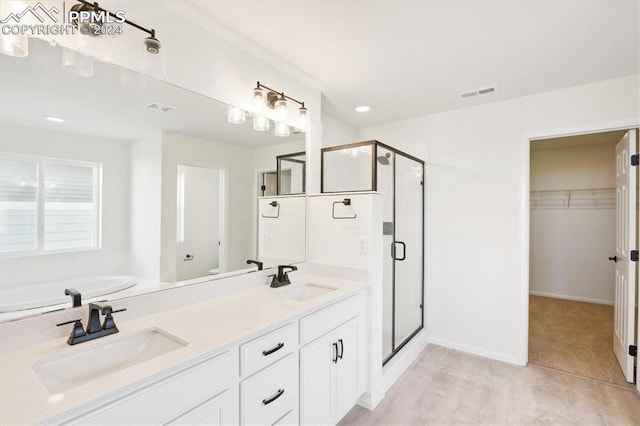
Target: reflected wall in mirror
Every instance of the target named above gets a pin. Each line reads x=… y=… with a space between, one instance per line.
x=292 y=173
x=116 y=158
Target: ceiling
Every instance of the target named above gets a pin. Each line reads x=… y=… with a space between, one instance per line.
x=410 y=58
x=111 y=104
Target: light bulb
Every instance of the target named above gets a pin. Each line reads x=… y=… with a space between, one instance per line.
x=259 y=100
x=235 y=115
x=303 y=117
x=260 y=123
x=281 y=108
x=281 y=129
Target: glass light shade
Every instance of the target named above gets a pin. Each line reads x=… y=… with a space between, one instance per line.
x=96 y=46
x=260 y=123
x=153 y=64
x=235 y=115
x=303 y=118
x=281 y=129
x=76 y=63
x=14 y=45
x=259 y=100
x=281 y=109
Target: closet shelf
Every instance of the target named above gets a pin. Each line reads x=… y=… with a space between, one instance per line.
x=594 y=198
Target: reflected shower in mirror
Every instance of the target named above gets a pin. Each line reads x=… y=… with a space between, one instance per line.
x=91 y=194
x=291 y=173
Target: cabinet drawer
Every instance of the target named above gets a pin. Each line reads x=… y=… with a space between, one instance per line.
x=270 y=394
x=214 y=412
x=325 y=320
x=267 y=349
x=165 y=400
x=290 y=419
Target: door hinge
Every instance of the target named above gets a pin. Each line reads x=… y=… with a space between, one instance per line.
x=634 y=255
x=633 y=350
x=634 y=160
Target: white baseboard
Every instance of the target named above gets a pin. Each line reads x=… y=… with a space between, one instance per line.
x=565 y=297
x=511 y=359
x=403 y=359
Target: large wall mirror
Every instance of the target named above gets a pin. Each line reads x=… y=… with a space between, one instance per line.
x=118 y=184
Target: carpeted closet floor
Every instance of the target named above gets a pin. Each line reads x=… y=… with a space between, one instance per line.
x=573 y=337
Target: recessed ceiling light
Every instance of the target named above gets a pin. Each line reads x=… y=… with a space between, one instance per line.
x=363 y=108
x=55 y=119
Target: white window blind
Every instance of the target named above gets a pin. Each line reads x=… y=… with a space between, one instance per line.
x=48 y=205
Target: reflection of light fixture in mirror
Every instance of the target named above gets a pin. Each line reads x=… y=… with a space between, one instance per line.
x=281 y=129
x=76 y=63
x=260 y=123
x=14 y=45
x=235 y=115
x=279 y=102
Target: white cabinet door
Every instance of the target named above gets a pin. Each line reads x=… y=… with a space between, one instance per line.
x=215 y=412
x=316 y=381
x=348 y=366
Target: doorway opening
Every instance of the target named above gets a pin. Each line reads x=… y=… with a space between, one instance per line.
x=574 y=226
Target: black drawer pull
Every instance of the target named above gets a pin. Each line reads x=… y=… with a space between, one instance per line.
x=276 y=349
x=341 y=348
x=273 y=398
x=335 y=353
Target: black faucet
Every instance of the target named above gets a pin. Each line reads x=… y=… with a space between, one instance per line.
x=256 y=262
x=75 y=296
x=281 y=278
x=94 y=328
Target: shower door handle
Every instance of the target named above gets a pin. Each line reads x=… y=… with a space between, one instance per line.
x=394 y=251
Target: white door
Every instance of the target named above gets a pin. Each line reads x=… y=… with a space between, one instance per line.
x=625 y=297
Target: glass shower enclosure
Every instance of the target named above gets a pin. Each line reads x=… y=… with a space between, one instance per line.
x=374 y=166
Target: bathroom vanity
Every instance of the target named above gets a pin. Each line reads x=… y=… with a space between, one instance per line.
x=292 y=355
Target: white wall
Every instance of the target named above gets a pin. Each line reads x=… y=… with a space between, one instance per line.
x=282 y=230
x=569 y=247
x=238 y=163
x=113 y=257
x=337 y=132
x=477 y=204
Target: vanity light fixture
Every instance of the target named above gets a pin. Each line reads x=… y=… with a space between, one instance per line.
x=93 y=26
x=266 y=96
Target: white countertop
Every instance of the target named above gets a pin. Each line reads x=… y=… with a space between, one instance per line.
x=208 y=326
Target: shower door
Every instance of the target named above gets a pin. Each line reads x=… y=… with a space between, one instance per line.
x=408 y=250
x=400 y=180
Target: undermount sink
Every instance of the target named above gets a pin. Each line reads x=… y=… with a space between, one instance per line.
x=79 y=366
x=304 y=291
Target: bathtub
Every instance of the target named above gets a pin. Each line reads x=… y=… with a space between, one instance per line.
x=52 y=293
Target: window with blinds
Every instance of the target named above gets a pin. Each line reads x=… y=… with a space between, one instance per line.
x=48 y=205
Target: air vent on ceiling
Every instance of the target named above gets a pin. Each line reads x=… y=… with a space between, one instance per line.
x=157 y=106
x=477 y=92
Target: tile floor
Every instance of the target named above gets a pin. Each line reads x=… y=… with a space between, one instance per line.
x=448 y=387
